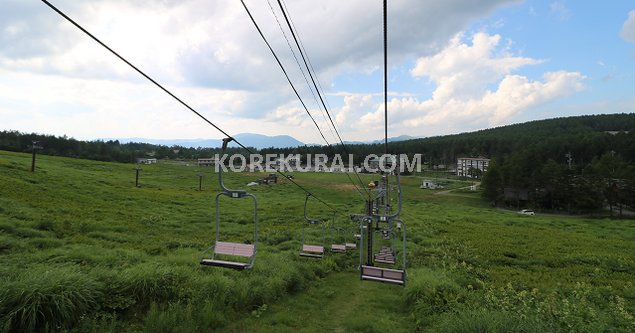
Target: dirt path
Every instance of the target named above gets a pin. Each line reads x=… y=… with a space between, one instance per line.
x=449 y=192
x=338 y=303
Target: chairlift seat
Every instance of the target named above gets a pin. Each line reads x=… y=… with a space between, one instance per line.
x=224 y=263
x=385 y=256
x=314 y=251
x=338 y=247
x=385 y=260
x=231 y=249
x=381 y=274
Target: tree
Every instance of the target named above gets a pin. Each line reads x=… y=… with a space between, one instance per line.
x=552 y=185
x=614 y=176
x=492 y=183
x=475 y=172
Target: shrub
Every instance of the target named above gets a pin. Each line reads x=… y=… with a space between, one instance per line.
x=6 y=244
x=149 y=283
x=45 y=225
x=189 y=317
x=430 y=292
x=108 y=236
x=6 y=227
x=28 y=232
x=468 y=321
x=47 y=300
x=44 y=243
x=560 y=310
x=431 y=289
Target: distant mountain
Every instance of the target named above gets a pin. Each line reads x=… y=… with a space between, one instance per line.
x=260 y=141
x=257 y=141
x=393 y=139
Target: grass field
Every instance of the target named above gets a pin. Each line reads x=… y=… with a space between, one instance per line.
x=84 y=250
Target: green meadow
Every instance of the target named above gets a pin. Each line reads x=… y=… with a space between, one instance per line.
x=84 y=250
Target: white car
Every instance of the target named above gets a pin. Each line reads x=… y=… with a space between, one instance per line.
x=527 y=212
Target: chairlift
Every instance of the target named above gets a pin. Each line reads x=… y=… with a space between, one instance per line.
x=311 y=250
x=390 y=225
x=385 y=237
x=336 y=232
x=355 y=237
x=233 y=252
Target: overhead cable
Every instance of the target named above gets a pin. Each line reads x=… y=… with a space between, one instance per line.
x=357 y=188
x=171 y=94
x=300 y=49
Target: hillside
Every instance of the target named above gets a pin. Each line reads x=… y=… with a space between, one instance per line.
x=82 y=248
x=257 y=141
x=583 y=136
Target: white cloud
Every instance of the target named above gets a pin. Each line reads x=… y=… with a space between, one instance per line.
x=560 y=9
x=93 y=108
x=290 y=115
x=514 y=95
x=355 y=106
x=215 y=44
x=628 y=29
x=463 y=71
x=463 y=75
x=209 y=54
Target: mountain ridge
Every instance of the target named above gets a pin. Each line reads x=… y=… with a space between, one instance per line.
x=258 y=141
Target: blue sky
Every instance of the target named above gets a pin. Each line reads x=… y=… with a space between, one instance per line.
x=455 y=66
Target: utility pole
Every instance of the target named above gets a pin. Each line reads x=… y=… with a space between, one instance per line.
x=34 y=147
x=136 y=180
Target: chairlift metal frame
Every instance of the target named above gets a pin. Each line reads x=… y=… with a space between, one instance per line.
x=311 y=251
x=339 y=234
x=369 y=224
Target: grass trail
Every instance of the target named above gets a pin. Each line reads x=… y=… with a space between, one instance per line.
x=339 y=303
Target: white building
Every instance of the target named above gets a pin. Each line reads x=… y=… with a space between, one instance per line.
x=464 y=164
x=429 y=184
x=206 y=161
x=146 y=160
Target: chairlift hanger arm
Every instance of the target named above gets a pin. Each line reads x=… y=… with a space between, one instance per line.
x=306 y=217
x=226 y=191
x=226 y=141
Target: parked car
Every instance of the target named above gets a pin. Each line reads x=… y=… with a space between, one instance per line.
x=527 y=212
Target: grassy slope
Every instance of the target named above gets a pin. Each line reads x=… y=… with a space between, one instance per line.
x=339 y=303
x=76 y=222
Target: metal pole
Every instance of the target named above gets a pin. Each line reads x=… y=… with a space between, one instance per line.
x=369 y=233
x=385 y=79
x=33 y=159
x=136 y=180
x=361 y=247
x=34 y=147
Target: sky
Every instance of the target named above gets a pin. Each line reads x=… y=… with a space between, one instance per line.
x=453 y=66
